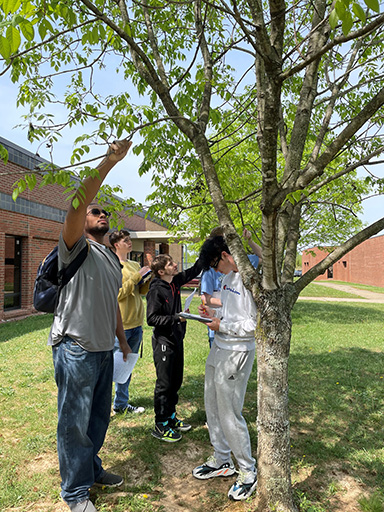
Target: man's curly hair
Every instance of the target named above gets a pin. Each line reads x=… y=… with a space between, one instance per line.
x=211 y=251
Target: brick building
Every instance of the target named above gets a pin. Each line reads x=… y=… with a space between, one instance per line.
x=363 y=265
x=30 y=228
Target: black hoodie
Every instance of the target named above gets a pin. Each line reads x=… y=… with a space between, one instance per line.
x=164 y=304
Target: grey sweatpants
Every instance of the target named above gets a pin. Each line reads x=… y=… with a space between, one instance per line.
x=226 y=378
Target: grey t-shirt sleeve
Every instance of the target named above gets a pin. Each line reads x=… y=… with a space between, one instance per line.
x=67 y=255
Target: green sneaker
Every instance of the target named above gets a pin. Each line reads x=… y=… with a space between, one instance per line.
x=164 y=432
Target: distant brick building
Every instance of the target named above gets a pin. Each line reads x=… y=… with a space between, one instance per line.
x=363 y=265
x=30 y=228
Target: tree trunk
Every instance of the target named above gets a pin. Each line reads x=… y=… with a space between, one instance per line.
x=273 y=453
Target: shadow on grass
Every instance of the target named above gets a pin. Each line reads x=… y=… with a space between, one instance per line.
x=15 y=329
x=336 y=406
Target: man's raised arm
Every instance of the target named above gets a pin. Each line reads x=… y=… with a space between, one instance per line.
x=75 y=218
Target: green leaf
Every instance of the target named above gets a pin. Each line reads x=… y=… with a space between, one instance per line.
x=359 y=12
x=22 y=186
x=5 y=48
x=3 y=154
x=31 y=181
x=10 y=6
x=15 y=194
x=296 y=195
x=14 y=39
x=340 y=9
x=95 y=34
x=27 y=30
x=76 y=203
x=373 y=4
x=333 y=19
x=44 y=27
x=347 y=23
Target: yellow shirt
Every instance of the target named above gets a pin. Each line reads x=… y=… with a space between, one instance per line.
x=130 y=301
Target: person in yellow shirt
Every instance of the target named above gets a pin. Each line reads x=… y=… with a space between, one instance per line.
x=131 y=308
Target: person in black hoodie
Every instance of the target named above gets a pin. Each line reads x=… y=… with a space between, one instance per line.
x=163 y=308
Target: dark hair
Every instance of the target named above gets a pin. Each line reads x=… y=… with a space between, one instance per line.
x=159 y=263
x=118 y=235
x=211 y=250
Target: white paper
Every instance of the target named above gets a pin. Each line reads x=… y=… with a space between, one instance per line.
x=123 y=369
x=188 y=300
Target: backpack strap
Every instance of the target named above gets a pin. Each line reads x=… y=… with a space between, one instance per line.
x=66 y=274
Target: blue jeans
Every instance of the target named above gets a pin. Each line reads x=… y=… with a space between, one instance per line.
x=134 y=337
x=84 y=382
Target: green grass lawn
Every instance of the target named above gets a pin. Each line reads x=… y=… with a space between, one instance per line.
x=336 y=408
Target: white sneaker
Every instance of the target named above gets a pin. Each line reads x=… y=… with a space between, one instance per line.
x=244 y=486
x=211 y=469
x=130 y=408
x=83 y=506
x=135 y=410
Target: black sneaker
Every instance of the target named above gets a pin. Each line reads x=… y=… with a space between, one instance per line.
x=166 y=433
x=211 y=469
x=177 y=424
x=109 y=480
x=244 y=486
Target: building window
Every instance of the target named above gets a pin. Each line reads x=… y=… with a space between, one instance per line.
x=344 y=264
x=12 y=272
x=330 y=273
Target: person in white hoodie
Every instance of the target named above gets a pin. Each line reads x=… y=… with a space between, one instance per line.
x=227 y=371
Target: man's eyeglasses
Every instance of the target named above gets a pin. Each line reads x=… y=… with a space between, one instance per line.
x=97 y=212
x=215 y=263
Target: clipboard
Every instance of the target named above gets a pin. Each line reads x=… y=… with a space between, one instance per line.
x=189 y=316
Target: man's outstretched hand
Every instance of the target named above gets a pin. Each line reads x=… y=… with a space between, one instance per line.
x=118 y=149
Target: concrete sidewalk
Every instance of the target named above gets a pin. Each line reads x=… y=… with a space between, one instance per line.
x=362 y=295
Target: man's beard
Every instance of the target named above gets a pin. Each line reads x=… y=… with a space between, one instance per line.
x=98 y=230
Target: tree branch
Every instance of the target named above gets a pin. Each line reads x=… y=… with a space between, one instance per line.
x=207 y=93
x=316 y=169
x=367 y=29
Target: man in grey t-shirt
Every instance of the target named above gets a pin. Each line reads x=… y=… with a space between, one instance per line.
x=82 y=338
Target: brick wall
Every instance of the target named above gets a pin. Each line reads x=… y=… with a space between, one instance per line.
x=2 y=259
x=51 y=195
x=38 y=237
x=363 y=265
x=149 y=252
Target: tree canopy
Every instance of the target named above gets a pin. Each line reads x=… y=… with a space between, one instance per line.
x=264 y=110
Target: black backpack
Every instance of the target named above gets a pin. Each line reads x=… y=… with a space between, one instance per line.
x=49 y=281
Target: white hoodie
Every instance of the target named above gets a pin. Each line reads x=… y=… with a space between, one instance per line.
x=237 y=314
